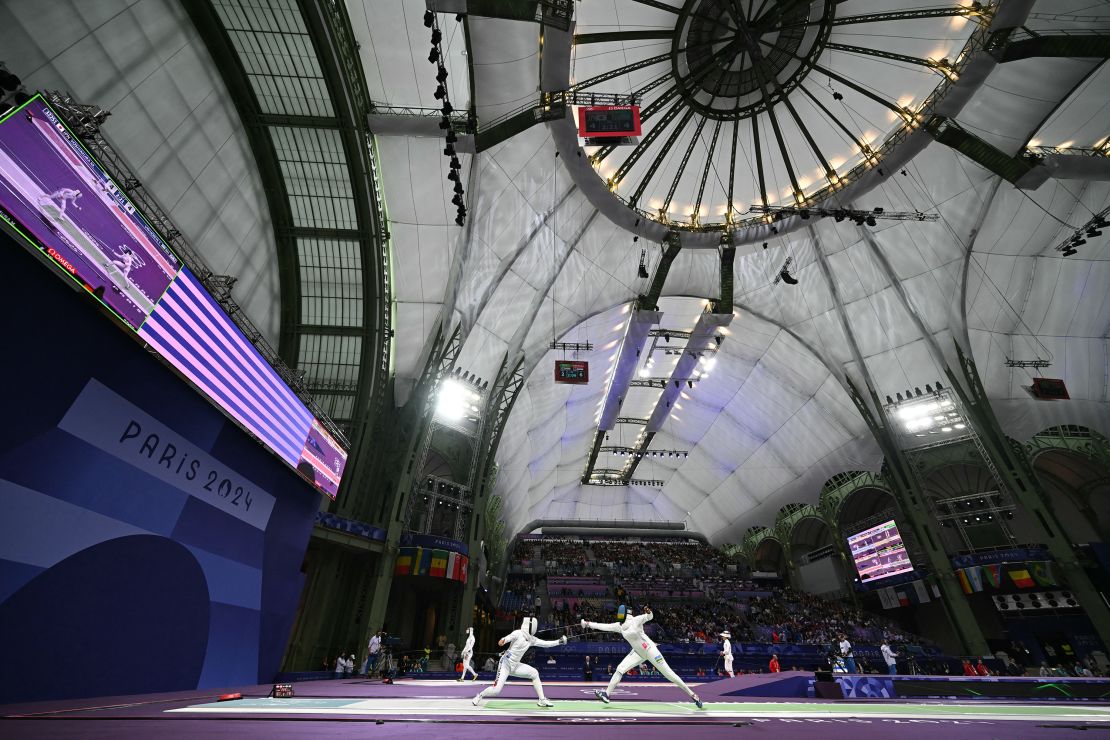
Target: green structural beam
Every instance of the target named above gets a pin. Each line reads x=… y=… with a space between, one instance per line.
x=951 y=134
x=1073 y=46
x=671 y=249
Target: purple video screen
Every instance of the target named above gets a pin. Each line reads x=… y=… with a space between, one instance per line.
x=60 y=202
x=879 y=552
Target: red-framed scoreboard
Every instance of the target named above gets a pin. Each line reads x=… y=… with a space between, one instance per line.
x=605 y=121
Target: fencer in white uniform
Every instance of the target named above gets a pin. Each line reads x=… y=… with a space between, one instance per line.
x=726 y=651
x=643 y=649
x=518 y=642
x=468 y=655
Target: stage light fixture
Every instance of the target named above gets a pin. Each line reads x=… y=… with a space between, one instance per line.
x=437 y=36
x=458 y=186
x=449 y=150
x=454 y=400
x=459 y=220
x=441 y=74
x=455 y=165
x=453 y=175
x=440 y=92
x=429 y=18
x=787 y=277
x=457 y=200
x=451 y=137
x=445 y=123
x=447 y=108
x=870 y=221
x=433 y=55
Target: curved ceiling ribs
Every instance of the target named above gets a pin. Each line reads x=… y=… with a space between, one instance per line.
x=304 y=114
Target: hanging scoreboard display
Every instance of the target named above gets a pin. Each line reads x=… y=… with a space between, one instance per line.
x=572 y=371
x=604 y=121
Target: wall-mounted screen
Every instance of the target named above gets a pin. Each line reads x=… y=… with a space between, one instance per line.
x=878 y=552
x=60 y=202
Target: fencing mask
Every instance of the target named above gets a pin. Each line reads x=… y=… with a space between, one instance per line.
x=622 y=612
x=528 y=626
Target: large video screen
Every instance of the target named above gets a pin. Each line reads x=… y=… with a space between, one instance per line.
x=879 y=552
x=60 y=202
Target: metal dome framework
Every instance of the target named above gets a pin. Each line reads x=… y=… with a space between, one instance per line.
x=747 y=91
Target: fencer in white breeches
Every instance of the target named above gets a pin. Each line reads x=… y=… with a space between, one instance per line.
x=644 y=649
x=468 y=655
x=726 y=651
x=518 y=642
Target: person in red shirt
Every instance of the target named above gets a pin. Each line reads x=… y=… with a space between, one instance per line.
x=774 y=664
x=981 y=669
x=969 y=669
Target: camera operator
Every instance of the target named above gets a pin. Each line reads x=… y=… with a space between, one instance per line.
x=890 y=658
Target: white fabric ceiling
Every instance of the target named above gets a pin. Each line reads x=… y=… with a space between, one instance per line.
x=773 y=420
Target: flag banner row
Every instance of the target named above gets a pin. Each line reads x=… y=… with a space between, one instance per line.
x=1006 y=576
x=907 y=594
x=437 y=563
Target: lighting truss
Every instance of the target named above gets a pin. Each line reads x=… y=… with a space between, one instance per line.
x=930 y=418
x=573 y=346
x=1027 y=363
x=778 y=213
x=638 y=453
x=605 y=481
x=457 y=400
x=1090 y=230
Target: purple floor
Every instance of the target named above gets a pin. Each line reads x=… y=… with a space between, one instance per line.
x=144 y=717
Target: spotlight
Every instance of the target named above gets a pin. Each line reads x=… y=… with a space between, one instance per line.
x=642 y=272
x=459 y=220
x=764 y=245
x=1093 y=232
x=455 y=163
x=1069 y=252
x=837 y=96
x=787 y=277
x=445 y=123
x=436 y=36
x=916 y=391
x=462 y=210
x=804 y=213
x=458 y=19
x=870 y=221
x=440 y=92
x=889 y=401
x=429 y=18
x=451 y=138
x=1079 y=242
x=457 y=200
x=447 y=107
x=838 y=216
x=433 y=55
x=718 y=339
x=928 y=389
x=449 y=150
x=899 y=396
x=458 y=186
x=441 y=75
x=453 y=175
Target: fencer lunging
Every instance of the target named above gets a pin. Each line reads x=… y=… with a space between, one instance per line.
x=643 y=649
x=518 y=642
x=726 y=651
x=468 y=655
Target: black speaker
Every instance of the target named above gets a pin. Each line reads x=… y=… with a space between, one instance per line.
x=828 y=690
x=825 y=676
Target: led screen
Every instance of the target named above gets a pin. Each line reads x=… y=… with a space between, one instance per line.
x=879 y=553
x=57 y=198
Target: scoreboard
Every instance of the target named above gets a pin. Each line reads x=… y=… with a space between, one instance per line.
x=572 y=371
x=603 y=121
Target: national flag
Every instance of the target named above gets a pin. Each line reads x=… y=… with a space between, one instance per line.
x=403 y=566
x=438 y=567
x=458 y=573
x=993 y=575
x=425 y=561
x=975 y=578
x=452 y=559
x=887 y=598
x=961 y=575
x=904 y=597
x=1042 y=573
x=1021 y=578
x=920 y=592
